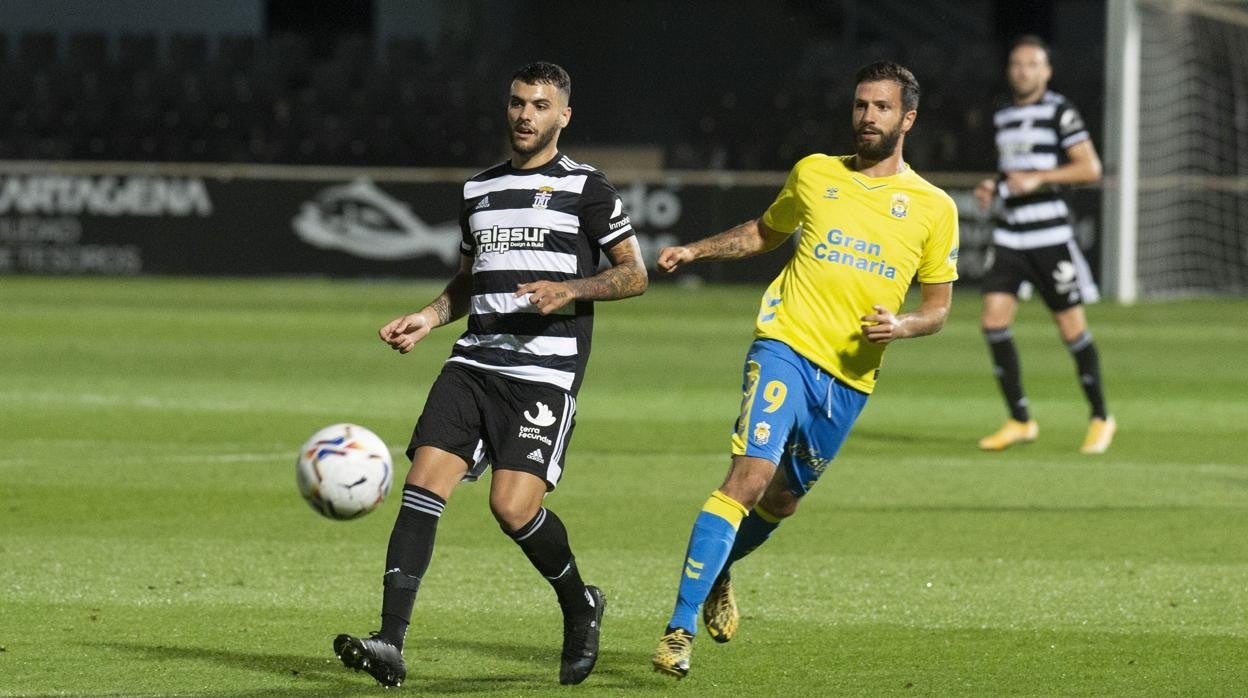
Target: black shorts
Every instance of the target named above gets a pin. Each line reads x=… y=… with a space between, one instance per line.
x=1059 y=273
x=488 y=419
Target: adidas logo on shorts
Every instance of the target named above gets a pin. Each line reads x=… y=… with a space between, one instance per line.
x=536 y=455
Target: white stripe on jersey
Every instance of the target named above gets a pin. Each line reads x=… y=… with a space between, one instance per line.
x=1010 y=137
x=524 y=217
x=510 y=303
x=572 y=183
x=1034 y=112
x=533 y=374
x=612 y=237
x=1074 y=138
x=1027 y=162
x=525 y=260
x=1030 y=240
x=1040 y=211
x=569 y=164
x=538 y=345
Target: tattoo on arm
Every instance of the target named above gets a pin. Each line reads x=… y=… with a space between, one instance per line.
x=626 y=278
x=738 y=242
x=452 y=303
x=441 y=307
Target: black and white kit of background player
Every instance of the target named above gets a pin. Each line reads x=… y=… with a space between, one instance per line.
x=534 y=229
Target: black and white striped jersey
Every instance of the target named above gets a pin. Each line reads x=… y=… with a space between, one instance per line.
x=1034 y=137
x=550 y=222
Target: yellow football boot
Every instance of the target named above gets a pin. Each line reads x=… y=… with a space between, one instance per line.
x=1014 y=432
x=672 y=656
x=719 y=613
x=1100 y=435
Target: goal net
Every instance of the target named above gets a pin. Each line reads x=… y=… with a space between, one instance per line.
x=1190 y=155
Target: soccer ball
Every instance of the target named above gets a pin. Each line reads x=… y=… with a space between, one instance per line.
x=344 y=471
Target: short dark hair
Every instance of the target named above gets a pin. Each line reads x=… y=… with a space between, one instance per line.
x=888 y=70
x=545 y=72
x=1032 y=40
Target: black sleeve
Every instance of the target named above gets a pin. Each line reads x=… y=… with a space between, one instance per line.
x=603 y=218
x=466 y=246
x=1070 y=126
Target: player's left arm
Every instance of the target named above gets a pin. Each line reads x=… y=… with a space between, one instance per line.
x=883 y=326
x=626 y=277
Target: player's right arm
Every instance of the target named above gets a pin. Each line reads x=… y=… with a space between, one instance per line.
x=741 y=241
x=403 y=332
x=984 y=192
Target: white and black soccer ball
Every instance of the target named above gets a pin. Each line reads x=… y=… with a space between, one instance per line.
x=344 y=471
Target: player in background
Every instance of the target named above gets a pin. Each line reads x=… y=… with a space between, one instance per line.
x=1042 y=145
x=867 y=226
x=534 y=228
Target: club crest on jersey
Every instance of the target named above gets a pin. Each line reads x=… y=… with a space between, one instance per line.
x=541 y=198
x=762 y=433
x=900 y=206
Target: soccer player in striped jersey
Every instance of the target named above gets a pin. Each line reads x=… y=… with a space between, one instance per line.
x=534 y=229
x=1042 y=145
x=867 y=226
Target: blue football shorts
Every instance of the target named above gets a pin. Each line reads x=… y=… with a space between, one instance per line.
x=793 y=413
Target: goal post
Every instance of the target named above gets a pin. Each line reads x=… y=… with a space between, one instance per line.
x=1175 y=210
x=1122 y=141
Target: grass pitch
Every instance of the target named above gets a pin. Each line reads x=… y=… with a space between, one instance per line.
x=153 y=543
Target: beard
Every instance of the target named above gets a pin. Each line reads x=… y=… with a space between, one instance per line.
x=542 y=139
x=879 y=150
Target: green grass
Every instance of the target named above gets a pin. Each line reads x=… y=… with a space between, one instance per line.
x=152 y=541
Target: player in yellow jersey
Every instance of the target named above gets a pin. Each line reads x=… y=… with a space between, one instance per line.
x=866 y=226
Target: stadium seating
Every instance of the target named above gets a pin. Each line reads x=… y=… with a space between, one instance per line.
x=228 y=98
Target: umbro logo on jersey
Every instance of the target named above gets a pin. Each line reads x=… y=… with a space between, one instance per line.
x=483 y=203
x=536 y=455
x=831 y=193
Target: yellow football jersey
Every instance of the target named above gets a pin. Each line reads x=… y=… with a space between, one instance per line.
x=862 y=241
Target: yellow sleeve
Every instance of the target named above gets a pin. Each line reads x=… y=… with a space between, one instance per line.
x=940 y=254
x=784 y=216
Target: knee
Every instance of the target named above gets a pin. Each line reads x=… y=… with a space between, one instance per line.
x=511 y=515
x=747 y=480
x=747 y=492
x=779 y=505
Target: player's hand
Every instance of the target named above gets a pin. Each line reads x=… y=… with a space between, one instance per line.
x=672 y=258
x=546 y=296
x=1022 y=182
x=402 y=333
x=984 y=192
x=882 y=326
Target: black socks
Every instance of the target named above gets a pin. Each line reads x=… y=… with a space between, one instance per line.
x=407 y=559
